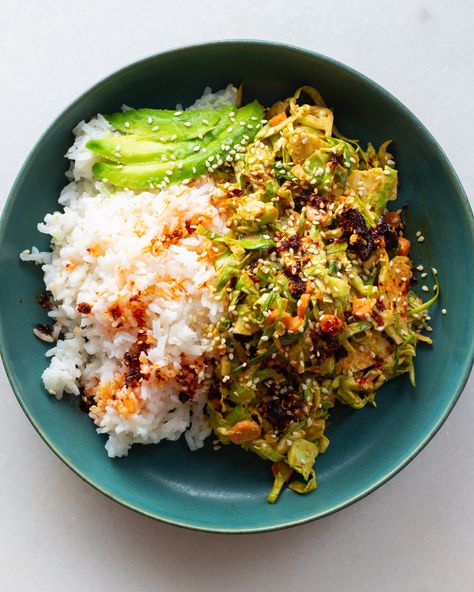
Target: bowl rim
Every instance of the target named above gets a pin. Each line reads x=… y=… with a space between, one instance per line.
x=447 y=169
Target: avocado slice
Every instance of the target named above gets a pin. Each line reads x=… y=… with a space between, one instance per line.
x=134 y=148
x=164 y=125
x=235 y=131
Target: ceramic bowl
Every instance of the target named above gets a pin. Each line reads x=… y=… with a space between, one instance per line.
x=225 y=491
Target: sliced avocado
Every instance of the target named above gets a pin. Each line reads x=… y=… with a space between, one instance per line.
x=164 y=125
x=204 y=157
x=133 y=149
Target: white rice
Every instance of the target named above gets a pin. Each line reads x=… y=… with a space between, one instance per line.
x=115 y=283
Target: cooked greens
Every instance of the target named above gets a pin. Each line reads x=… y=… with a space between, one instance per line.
x=317 y=278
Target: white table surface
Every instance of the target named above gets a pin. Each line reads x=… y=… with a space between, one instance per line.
x=57 y=533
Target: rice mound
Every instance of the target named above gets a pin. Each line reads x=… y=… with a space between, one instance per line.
x=132 y=299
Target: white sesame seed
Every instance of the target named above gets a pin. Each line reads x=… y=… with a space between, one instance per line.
x=187 y=123
x=434 y=270
x=390 y=162
x=420 y=267
x=127 y=124
x=420 y=239
x=150 y=120
x=386 y=172
x=177 y=113
x=423 y=275
x=443 y=311
x=418 y=233
x=425 y=288
x=196 y=148
x=155 y=128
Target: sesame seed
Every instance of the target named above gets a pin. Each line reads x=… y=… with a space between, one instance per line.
x=155 y=128
x=196 y=148
x=386 y=172
x=390 y=162
x=443 y=311
x=169 y=172
x=420 y=267
x=150 y=120
x=127 y=124
x=187 y=123
x=429 y=329
x=423 y=275
x=418 y=233
x=425 y=288
x=177 y=113
x=420 y=239
x=434 y=270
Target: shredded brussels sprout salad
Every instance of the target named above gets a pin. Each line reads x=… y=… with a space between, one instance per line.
x=315 y=272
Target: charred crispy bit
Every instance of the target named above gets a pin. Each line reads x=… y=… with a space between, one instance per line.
x=84 y=307
x=142 y=344
x=336 y=158
x=290 y=242
x=188 y=379
x=384 y=235
x=44 y=328
x=133 y=375
x=355 y=231
x=282 y=410
x=309 y=197
x=85 y=402
x=44 y=299
x=296 y=285
x=115 y=311
x=325 y=345
x=235 y=192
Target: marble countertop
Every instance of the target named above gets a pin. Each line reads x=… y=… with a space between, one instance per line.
x=414 y=534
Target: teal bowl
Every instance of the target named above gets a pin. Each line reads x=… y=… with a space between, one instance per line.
x=225 y=491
